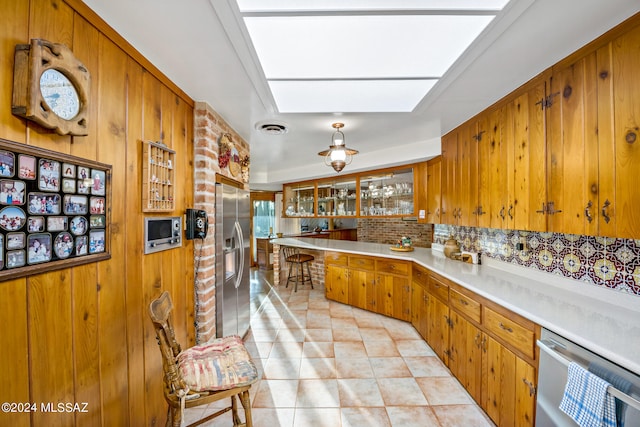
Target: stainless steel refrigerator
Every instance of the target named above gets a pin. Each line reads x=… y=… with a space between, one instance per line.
x=233 y=211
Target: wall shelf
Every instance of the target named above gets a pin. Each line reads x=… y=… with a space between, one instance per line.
x=157 y=177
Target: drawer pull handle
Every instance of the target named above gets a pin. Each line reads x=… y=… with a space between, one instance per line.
x=506 y=328
x=463 y=302
x=532 y=388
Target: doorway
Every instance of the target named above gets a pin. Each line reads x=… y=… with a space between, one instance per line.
x=263 y=220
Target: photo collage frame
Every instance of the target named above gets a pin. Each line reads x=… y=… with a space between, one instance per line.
x=53 y=210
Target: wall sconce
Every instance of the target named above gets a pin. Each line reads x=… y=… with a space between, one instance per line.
x=338 y=155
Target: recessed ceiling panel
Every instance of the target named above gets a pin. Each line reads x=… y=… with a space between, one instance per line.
x=349 y=96
x=391 y=46
x=343 y=5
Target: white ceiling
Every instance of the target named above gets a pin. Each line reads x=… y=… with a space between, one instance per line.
x=204 y=47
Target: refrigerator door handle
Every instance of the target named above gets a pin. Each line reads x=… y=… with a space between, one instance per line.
x=240 y=270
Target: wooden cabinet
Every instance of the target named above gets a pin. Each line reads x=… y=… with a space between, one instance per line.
x=264 y=251
x=434 y=190
x=362 y=284
x=465 y=355
x=336 y=277
x=420 y=300
x=510 y=391
x=449 y=199
x=393 y=295
x=438 y=324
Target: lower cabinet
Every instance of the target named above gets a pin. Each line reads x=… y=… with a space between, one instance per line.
x=488 y=348
x=510 y=393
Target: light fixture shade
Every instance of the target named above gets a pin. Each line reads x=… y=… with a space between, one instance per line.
x=338 y=155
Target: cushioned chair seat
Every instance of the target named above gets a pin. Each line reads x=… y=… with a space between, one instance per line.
x=221 y=364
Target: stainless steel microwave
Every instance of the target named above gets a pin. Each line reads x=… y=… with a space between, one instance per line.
x=162 y=233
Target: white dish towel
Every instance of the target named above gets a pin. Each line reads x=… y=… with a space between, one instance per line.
x=586 y=399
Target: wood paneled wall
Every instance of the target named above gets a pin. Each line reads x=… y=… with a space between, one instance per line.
x=83 y=334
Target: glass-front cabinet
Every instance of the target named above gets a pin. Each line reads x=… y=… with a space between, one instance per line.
x=337 y=198
x=299 y=199
x=388 y=192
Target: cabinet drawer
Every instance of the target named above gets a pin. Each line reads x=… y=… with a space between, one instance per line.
x=438 y=287
x=362 y=263
x=335 y=258
x=420 y=275
x=465 y=305
x=519 y=337
x=393 y=266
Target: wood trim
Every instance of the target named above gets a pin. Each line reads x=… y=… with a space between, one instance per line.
x=269 y=196
x=221 y=179
x=104 y=28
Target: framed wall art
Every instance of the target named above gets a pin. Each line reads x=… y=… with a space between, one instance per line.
x=54 y=210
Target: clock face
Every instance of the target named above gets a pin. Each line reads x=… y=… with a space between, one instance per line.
x=59 y=94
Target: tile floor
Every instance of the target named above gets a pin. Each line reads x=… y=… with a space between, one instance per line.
x=323 y=363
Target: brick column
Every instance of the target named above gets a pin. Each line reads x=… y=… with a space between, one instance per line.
x=209 y=126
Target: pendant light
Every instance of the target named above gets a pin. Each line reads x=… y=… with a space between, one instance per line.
x=338 y=155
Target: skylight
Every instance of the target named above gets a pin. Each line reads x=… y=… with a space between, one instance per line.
x=360 y=56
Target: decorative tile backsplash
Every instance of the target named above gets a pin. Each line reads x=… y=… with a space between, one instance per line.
x=602 y=261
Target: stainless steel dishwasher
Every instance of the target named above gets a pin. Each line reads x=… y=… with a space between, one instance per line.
x=555 y=354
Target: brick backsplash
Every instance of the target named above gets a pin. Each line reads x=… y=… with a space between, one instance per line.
x=602 y=261
x=389 y=230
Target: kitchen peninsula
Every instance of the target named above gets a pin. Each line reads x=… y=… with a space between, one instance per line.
x=499 y=306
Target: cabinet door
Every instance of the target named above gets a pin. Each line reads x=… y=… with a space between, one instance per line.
x=623 y=211
x=421 y=187
x=572 y=143
x=510 y=384
x=337 y=283
x=486 y=144
x=466 y=175
x=525 y=133
x=419 y=309
x=359 y=282
x=438 y=328
x=449 y=210
x=393 y=296
x=465 y=357
x=434 y=190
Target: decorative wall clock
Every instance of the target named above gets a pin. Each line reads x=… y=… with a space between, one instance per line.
x=51 y=87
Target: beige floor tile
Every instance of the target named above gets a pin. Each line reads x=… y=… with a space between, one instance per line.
x=427 y=366
x=294 y=322
x=343 y=322
x=412 y=416
x=461 y=415
x=318 y=303
x=266 y=323
x=318 y=335
x=263 y=335
x=346 y=334
x=298 y=305
x=272 y=417
x=283 y=350
x=407 y=332
x=378 y=334
x=389 y=367
x=259 y=350
x=290 y=335
x=349 y=350
x=444 y=391
x=282 y=369
x=318 y=349
x=317 y=417
x=370 y=417
x=401 y=392
x=340 y=310
x=359 y=392
x=409 y=348
x=318 y=368
x=381 y=348
x=276 y=394
x=354 y=368
x=318 y=394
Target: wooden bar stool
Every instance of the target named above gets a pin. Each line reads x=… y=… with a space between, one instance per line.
x=296 y=260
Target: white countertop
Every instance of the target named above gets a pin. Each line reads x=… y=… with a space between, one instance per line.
x=604 y=321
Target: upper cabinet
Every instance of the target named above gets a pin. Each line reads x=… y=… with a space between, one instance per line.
x=388 y=192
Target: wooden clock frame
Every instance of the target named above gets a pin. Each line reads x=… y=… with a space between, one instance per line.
x=31 y=60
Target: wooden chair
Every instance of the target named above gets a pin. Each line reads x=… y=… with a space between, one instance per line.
x=297 y=261
x=177 y=392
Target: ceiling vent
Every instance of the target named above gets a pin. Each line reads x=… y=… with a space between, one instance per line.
x=272 y=127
